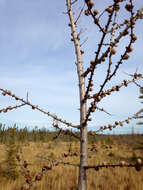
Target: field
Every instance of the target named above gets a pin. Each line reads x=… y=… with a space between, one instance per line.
x=109 y=149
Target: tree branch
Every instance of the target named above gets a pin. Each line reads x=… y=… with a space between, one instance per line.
x=35 y=107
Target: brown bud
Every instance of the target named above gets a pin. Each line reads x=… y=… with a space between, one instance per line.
x=135 y=76
x=9 y=107
x=16 y=97
x=92 y=104
x=91 y=68
x=134 y=37
x=101 y=128
x=102 y=59
x=125 y=33
x=122 y=163
x=98 y=98
x=126 y=56
x=96 y=20
x=78 y=37
x=113 y=88
x=4 y=110
x=139 y=161
x=33 y=107
x=129 y=48
x=117 y=88
x=81 y=51
x=28 y=179
x=121 y=124
x=38 y=177
x=125 y=83
x=95 y=12
x=113 y=51
x=47 y=167
x=126 y=21
x=90 y=4
x=133 y=21
x=94 y=96
x=88 y=96
x=127 y=121
x=69 y=25
x=55 y=117
x=109 y=9
x=128 y=7
x=25 y=164
x=9 y=92
x=117 y=7
x=86 y=12
x=103 y=94
x=92 y=62
x=108 y=92
x=91 y=83
x=138 y=168
x=96 y=168
x=110 y=127
x=116 y=123
x=3 y=93
x=92 y=109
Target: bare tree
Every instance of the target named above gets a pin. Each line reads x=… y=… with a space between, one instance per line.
x=111 y=34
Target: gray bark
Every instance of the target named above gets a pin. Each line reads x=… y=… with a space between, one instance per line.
x=83 y=128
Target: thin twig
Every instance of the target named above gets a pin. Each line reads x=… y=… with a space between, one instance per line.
x=35 y=107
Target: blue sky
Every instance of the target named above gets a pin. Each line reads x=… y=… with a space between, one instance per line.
x=37 y=56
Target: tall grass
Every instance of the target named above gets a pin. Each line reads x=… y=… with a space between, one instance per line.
x=62 y=177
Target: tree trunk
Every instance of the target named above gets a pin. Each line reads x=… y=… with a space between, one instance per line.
x=81 y=80
x=82 y=181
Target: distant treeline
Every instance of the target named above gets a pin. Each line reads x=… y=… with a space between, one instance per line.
x=44 y=135
x=26 y=134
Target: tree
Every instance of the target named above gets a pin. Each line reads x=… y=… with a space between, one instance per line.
x=111 y=34
x=139 y=113
x=11 y=151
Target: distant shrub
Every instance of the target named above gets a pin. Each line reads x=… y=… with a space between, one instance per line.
x=111 y=154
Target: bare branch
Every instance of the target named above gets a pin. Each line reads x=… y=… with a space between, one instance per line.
x=66 y=132
x=137 y=166
x=80 y=14
x=34 y=107
x=83 y=43
x=4 y=110
x=102 y=109
x=74 y=2
x=101 y=94
x=117 y=123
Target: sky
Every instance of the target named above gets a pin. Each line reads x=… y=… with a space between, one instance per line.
x=38 y=57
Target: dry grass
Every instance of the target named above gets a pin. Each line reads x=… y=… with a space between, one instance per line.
x=65 y=177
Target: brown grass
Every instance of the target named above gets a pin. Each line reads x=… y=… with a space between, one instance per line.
x=65 y=177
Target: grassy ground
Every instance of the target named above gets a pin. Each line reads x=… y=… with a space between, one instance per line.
x=65 y=177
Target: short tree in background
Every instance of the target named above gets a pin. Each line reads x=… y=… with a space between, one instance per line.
x=139 y=114
x=112 y=31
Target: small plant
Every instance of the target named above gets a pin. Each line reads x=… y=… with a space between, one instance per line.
x=110 y=141
x=111 y=154
x=134 y=156
x=10 y=169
